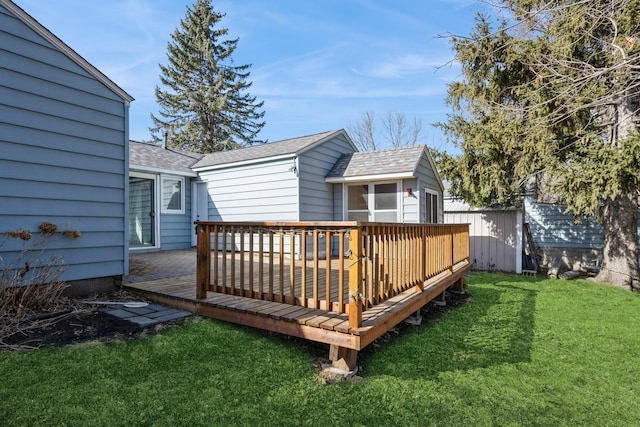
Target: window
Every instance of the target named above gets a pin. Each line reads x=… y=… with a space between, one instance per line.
x=431 y=207
x=372 y=202
x=172 y=195
x=358 y=203
x=385 y=202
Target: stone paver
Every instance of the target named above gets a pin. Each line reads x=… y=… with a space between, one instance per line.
x=151 y=266
x=150 y=315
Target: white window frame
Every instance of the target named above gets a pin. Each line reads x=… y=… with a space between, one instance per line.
x=429 y=194
x=371 y=199
x=163 y=198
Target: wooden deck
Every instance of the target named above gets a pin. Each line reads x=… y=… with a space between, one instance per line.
x=329 y=327
x=279 y=277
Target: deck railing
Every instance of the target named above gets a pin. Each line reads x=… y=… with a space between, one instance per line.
x=346 y=267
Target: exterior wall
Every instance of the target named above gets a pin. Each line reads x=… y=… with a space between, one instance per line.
x=427 y=179
x=316 y=195
x=551 y=227
x=338 y=204
x=176 y=229
x=410 y=204
x=557 y=236
x=63 y=154
x=494 y=238
x=411 y=207
x=255 y=192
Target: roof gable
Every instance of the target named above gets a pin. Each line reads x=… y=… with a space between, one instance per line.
x=152 y=157
x=394 y=162
x=39 y=29
x=262 y=152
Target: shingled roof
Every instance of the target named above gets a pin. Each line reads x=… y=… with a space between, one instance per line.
x=143 y=155
x=265 y=151
x=396 y=161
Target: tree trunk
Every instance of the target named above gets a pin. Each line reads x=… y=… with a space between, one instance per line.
x=620 y=255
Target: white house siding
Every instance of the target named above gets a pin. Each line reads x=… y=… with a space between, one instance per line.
x=63 y=156
x=316 y=195
x=495 y=238
x=254 y=192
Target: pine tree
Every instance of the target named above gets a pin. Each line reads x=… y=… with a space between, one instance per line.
x=204 y=105
x=553 y=93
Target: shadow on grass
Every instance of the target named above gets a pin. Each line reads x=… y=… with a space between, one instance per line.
x=495 y=327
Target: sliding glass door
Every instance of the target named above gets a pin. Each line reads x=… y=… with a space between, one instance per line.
x=142 y=216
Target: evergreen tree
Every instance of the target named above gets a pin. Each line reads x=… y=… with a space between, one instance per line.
x=553 y=93
x=204 y=106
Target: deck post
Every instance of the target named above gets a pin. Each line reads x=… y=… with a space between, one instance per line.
x=458 y=285
x=342 y=358
x=203 y=265
x=355 y=277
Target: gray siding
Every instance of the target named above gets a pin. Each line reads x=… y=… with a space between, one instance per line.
x=63 y=154
x=427 y=179
x=493 y=238
x=338 y=207
x=255 y=192
x=316 y=195
x=176 y=229
x=551 y=227
x=410 y=204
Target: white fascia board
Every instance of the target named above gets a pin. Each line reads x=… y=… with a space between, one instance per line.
x=389 y=176
x=134 y=168
x=245 y=162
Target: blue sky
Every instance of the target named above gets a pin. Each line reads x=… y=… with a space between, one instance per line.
x=317 y=65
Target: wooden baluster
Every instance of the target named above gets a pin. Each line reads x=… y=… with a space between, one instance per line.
x=241 y=274
x=270 y=266
x=216 y=256
x=261 y=264
x=292 y=266
x=316 y=270
x=327 y=289
x=250 y=255
x=303 y=279
x=341 y=272
x=281 y=265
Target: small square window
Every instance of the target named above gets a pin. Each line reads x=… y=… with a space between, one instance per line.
x=172 y=195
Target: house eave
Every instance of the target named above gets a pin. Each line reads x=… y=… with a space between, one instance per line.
x=245 y=162
x=360 y=178
x=139 y=168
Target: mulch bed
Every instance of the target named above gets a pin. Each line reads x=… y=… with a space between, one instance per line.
x=72 y=324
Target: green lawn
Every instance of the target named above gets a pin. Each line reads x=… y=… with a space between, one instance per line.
x=523 y=351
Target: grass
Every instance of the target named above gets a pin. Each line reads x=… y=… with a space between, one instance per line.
x=523 y=351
